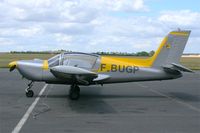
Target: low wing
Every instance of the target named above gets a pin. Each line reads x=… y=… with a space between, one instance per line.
x=76 y=74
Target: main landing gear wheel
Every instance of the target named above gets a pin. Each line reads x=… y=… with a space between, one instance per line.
x=29 y=92
x=74 y=92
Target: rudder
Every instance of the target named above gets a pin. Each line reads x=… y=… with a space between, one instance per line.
x=171 y=48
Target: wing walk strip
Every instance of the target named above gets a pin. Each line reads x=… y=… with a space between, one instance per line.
x=28 y=112
x=171 y=98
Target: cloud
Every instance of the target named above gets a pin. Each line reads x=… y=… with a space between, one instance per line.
x=193 y=45
x=82 y=11
x=120 y=5
x=181 y=18
x=63 y=40
x=68 y=28
x=89 y=25
x=23 y=32
x=6 y=42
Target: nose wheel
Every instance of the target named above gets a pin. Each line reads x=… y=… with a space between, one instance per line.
x=29 y=92
x=74 y=92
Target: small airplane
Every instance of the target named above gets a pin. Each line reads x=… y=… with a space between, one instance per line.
x=75 y=68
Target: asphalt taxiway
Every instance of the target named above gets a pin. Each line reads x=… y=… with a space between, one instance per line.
x=142 y=107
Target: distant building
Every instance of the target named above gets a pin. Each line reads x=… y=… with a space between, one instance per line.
x=191 y=55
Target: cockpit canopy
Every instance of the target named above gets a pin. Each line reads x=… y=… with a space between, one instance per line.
x=76 y=59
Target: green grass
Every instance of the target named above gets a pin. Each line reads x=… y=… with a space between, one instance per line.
x=5 y=58
x=191 y=62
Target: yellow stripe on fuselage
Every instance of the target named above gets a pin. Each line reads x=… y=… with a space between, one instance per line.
x=45 y=65
x=123 y=62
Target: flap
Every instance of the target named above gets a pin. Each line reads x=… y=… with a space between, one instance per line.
x=101 y=77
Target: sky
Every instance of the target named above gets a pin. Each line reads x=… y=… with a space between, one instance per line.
x=96 y=25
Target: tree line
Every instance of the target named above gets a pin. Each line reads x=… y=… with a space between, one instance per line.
x=142 y=53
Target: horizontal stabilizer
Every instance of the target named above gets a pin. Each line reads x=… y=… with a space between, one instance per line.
x=173 y=68
x=181 y=68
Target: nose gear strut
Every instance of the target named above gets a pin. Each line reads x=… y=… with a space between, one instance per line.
x=29 y=92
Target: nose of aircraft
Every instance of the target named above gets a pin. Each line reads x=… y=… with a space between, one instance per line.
x=43 y=64
x=30 y=69
x=12 y=65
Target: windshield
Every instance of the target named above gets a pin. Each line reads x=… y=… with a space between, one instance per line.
x=54 y=61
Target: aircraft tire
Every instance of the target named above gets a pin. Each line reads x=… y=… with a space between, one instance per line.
x=29 y=93
x=74 y=93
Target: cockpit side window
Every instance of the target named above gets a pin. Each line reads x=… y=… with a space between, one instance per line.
x=79 y=63
x=81 y=60
x=85 y=61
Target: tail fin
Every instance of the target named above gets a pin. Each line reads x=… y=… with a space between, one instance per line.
x=171 y=48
